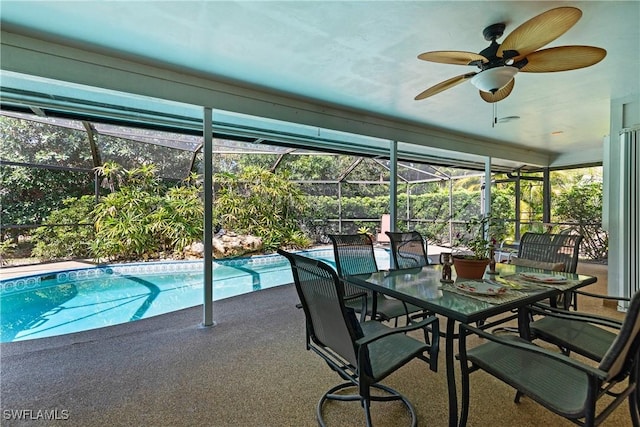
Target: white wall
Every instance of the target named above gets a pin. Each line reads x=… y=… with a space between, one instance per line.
x=625 y=114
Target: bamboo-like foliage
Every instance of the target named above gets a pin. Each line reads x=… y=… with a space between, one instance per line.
x=261 y=203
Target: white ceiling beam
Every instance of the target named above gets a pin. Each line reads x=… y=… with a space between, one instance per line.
x=46 y=59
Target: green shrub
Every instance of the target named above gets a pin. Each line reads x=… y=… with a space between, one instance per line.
x=260 y=203
x=581 y=204
x=55 y=241
x=178 y=219
x=124 y=225
x=141 y=219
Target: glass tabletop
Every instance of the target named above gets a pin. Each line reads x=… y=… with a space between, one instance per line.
x=422 y=287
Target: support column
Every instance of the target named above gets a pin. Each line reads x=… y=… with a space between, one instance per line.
x=546 y=196
x=487 y=186
x=487 y=194
x=207 y=238
x=450 y=211
x=393 y=181
x=629 y=214
x=518 y=212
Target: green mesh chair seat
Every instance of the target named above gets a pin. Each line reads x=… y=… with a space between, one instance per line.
x=408 y=250
x=585 y=334
x=362 y=353
x=580 y=337
x=566 y=386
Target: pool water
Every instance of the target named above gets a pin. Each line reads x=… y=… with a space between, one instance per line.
x=83 y=299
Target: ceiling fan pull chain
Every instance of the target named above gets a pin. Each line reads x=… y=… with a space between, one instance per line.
x=495 y=115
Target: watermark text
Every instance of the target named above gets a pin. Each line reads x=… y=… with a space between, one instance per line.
x=35 y=414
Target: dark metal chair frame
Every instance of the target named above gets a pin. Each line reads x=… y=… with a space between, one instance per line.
x=362 y=354
x=586 y=334
x=408 y=250
x=354 y=254
x=552 y=248
x=565 y=386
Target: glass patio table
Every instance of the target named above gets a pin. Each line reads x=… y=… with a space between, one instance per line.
x=423 y=288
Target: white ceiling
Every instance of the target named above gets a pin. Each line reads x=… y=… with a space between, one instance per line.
x=363 y=56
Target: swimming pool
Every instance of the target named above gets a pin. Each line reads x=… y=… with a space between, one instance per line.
x=89 y=298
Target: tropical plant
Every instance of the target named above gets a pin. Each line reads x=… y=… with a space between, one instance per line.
x=6 y=246
x=261 y=203
x=140 y=219
x=29 y=194
x=364 y=230
x=480 y=237
x=178 y=219
x=581 y=205
x=56 y=240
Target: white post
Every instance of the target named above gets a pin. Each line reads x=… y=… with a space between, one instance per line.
x=487 y=194
x=628 y=263
x=393 y=187
x=207 y=238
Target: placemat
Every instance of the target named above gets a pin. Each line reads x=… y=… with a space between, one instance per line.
x=508 y=296
x=517 y=279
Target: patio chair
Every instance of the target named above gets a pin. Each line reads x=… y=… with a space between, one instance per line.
x=586 y=334
x=363 y=354
x=354 y=254
x=551 y=248
x=507 y=250
x=407 y=250
x=558 y=252
x=565 y=386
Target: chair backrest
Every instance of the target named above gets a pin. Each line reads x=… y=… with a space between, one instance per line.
x=624 y=350
x=407 y=250
x=551 y=248
x=354 y=254
x=329 y=323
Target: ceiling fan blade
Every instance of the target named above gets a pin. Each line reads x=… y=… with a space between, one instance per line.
x=500 y=94
x=452 y=57
x=538 y=31
x=563 y=58
x=442 y=86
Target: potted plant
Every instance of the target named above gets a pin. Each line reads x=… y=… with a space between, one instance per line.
x=474 y=248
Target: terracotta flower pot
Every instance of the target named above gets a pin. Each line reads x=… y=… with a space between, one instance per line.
x=470 y=268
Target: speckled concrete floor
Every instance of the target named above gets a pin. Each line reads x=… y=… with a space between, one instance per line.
x=251 y=369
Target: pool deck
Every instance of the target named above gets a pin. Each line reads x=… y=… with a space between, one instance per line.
x=250 y=369
x=10 y=271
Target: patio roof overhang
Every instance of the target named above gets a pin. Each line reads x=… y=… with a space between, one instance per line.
x=88 y=85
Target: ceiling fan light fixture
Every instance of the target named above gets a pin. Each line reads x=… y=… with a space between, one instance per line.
x=494 y=79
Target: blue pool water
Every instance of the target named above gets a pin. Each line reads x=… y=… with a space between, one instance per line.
x=78 y=300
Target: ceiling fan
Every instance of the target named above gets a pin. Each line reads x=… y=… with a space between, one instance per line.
x=499 y=63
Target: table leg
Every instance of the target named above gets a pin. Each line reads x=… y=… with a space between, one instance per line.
x=451 y=378
x=524 y=317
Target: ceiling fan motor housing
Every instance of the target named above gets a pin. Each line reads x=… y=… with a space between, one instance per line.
x=493 y=32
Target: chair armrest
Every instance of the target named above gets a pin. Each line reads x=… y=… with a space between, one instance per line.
x=364 y=308
x=575 y=315
x=354 y=296
x=607 y=297
x=411 y=327
x=527 y=346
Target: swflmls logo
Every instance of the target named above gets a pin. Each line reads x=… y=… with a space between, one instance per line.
x=33 y=415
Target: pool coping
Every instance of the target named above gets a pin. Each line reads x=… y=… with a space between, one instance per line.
x=71 y=271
